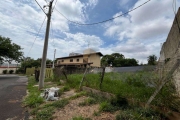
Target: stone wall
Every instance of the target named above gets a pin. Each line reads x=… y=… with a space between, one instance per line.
x=170 y=51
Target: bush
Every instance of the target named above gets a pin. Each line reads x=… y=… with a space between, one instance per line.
x=11 y=71
x=4 y=71
x=120 y=102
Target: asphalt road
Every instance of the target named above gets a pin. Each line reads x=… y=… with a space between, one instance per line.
x=12 y=90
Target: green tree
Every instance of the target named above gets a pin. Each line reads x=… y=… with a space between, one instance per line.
x=9 y=51
x=152 y=60
x=117 y=55
x=30 y=62
x=107 y=60
x=118 y=60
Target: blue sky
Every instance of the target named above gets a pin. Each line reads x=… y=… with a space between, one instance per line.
x=137 y=34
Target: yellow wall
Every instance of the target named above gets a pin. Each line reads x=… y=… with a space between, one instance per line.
x=67 y=60
x=94 y=58
x=48 y=72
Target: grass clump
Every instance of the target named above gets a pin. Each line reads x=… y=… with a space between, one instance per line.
x=33 y=99
x=88 y=101
x=80 y=118
x=107 y=107
x=45 y=114
x=78 y=95
x=65 y=88
x=138 y=113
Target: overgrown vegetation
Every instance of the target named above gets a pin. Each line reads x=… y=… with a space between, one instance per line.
x=33 y=100
x=132 y=90
x=138 y=113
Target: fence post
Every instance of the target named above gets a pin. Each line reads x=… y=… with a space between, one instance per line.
x=102 y=77
x=83 y=79
x=37 y=72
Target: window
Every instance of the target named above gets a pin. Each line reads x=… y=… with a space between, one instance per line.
x=58 y=62
x=77 y=60
x=62 y=60
x=71 y=60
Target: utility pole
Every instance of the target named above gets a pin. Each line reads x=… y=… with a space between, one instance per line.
x=54 y=58
x=43 y=62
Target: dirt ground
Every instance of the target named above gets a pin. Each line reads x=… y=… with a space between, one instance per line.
x=73 y=110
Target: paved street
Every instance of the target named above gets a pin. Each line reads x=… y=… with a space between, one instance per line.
x=12 y=89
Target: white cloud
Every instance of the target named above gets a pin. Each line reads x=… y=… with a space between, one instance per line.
x=72 y=9
x=92 y=3
x=76 y=43
x=142 y=30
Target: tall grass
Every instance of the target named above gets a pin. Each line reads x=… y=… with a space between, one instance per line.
x=138 y=86
x=33 y=99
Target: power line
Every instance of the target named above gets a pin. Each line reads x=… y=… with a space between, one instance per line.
x=52 y=34
x=103 y=20
x=36 y=36
x=40 y=6
x=54 y=5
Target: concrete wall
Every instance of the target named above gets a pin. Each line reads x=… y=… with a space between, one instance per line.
x=1 y=70
x=170 y=51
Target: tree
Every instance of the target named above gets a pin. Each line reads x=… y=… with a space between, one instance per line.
x=118 y=55
x=9 y=51
x=107 y=60
x=30 y=62
x=152 y=60
x=118 y=60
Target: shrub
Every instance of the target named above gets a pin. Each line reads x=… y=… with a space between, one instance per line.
x=11 y=71
x=119 y=101
x=4 y=71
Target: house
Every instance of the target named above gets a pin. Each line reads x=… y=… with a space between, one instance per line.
x=8 y=67
x=88 y=58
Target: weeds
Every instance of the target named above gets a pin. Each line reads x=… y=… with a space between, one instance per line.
x=45 y=114
x=80 y=118
x=88 y=101
x=107 y=107
x=33 y=99
x=138 y=113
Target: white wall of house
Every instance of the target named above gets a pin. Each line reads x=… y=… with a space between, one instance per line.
x=1 y=70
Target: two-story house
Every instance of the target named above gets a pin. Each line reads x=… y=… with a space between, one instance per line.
x=89 y=57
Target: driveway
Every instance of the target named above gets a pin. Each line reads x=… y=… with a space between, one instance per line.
x=12 y=90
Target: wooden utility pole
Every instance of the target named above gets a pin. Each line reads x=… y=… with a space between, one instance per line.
x=43 y=62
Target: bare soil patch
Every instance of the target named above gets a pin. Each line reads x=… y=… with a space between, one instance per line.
x=74 y=110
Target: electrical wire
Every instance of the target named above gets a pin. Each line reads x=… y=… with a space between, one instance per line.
x=54 y=6
x=103 y=20
x=40 y=6
x=36 y=36
x=51 y=29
